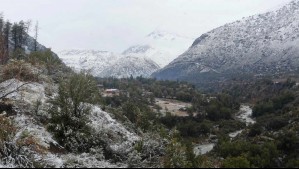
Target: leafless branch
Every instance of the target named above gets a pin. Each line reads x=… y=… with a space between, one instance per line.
x=16 y=90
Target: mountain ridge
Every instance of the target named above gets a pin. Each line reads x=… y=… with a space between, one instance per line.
x=263 y=43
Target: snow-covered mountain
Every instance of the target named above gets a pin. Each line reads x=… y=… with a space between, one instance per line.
x=131 y=65
x=154 y=51
x=160 y=46
x=265 y=43
x=95 y=61
x=108 y=64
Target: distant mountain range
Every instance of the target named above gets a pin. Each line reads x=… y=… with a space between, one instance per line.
x=261 y=44
x=155 y=51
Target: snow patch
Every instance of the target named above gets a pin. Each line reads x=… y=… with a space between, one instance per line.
x=203 y=149
x=29 y=93
x=245 y=115
x=102 y=121
x=235 y=134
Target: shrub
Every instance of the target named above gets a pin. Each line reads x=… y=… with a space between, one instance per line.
x=7 y=130
x=236 y=162
x=11 y=153
x=259 y=155
x=70 y=110
x=255 y=130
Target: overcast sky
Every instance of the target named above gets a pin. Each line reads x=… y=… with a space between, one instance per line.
x=114 y=25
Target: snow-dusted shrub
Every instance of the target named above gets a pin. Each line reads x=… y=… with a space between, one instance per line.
x=10 y=153
x=148 y=152
x=70 y=111
x=13 y=155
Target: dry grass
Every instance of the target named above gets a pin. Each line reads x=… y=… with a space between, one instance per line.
x=19 y=70
x=6 y=129
x=31 y=142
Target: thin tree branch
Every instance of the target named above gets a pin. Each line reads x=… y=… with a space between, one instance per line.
x=16 y=90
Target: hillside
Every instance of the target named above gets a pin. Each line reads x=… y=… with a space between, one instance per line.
x=260 y=44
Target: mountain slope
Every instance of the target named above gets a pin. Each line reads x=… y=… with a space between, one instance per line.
x=130 y=65
x=107 y=64
x=160 y=46
x=265 y=43
x=95 y=61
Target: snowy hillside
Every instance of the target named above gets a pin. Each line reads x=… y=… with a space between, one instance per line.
x=95 y=61
x=160 y=46
x=131 y=65
x=28 y=128
x=265 y=43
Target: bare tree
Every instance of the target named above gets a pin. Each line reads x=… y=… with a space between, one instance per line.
x=36 y=28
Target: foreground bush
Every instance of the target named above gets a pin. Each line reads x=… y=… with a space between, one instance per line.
x=11 y=153
x=70 y=110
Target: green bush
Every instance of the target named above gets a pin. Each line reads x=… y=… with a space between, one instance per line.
x=45 y=58
x=69 y=111
x=259 y=155
x=236 y=162
x=270 y=106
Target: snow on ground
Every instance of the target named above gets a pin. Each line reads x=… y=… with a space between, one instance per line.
x=88 y=161
x=28 y=127
x=7 y=166
x=29 y=93
x=235 y=134
x=203 y=149
x=102 y=121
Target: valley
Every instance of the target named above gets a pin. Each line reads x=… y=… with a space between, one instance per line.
x=230 y=99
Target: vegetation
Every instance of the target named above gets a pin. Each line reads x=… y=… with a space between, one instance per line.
x=161 y=89
x=69 y=112
x=273 y=105
x=19 y=70
x=46 y=59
